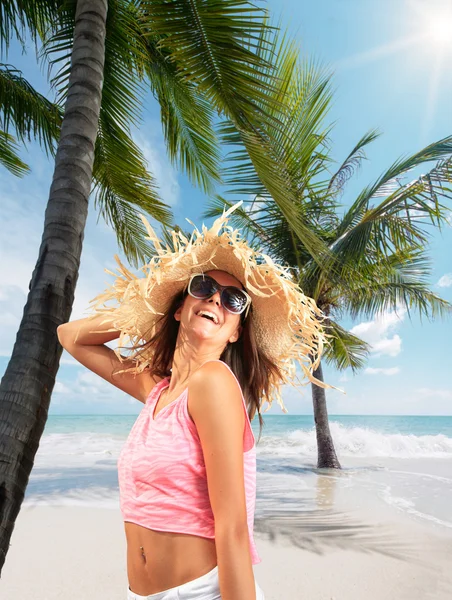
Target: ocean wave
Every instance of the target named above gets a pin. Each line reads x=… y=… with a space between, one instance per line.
x=81 y=449
x=360 y=442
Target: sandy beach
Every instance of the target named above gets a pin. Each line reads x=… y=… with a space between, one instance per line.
x=379 y=529
x=78 y=552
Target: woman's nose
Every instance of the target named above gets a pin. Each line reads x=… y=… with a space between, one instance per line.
x=216 y=298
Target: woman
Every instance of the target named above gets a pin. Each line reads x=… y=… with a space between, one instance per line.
x=214 y=327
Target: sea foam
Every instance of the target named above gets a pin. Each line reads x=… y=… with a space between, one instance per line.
x=360 y=442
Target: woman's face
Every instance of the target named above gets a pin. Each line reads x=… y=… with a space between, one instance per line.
x=226 y=329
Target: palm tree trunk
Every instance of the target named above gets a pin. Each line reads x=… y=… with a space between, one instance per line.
x=326 y=454
x=29 y=378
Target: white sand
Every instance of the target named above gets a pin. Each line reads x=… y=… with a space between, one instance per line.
x=76 y=553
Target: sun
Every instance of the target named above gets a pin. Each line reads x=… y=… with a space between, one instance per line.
x=439 y=29
x=425 y=38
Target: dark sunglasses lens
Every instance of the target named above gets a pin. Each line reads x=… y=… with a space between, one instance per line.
x=202 y=287
x=234 y=300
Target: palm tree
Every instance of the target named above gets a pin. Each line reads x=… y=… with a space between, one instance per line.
x=199 y=59
x=378 y=257
x=29 y=114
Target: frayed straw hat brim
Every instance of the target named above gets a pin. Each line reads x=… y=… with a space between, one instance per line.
x=287 y=324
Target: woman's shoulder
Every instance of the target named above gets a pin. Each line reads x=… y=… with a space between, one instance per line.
x=214 y=385
x=214 y=376
x=215 y=369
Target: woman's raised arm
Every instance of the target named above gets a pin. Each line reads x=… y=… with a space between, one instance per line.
x=89 y=349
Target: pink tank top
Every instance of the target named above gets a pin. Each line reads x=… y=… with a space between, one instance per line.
x=162 y=475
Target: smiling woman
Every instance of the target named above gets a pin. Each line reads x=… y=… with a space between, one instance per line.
x=216 y=329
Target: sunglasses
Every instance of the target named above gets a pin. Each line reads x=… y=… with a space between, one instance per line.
x=233 y=299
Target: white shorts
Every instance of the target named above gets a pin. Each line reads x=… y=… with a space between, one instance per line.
x=205 y=587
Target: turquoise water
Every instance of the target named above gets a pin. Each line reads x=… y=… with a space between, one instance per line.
x=274 y=424
x=399 y=463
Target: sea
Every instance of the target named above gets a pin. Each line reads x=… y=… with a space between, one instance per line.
x=399 y=464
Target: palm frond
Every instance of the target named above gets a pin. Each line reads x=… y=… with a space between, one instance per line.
x=129 y=58
x=279 y=162
x=125 y=220
x=30 y=114
x=351 y=164
x=25 y=16
x=168 y=238
x=400 y=279
x=9 y=157
x=187 y=119
x=214 y=45
x=344 y=349
x=124 y=188
x=399 y=219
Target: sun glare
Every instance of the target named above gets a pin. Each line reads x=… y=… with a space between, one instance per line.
x=440 y=29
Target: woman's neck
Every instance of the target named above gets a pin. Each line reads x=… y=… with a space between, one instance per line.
x=185 y=363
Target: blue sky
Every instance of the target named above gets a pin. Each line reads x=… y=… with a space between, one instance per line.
x=390 y=73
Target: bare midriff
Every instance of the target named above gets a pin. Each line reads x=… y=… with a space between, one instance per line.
x=160 y=560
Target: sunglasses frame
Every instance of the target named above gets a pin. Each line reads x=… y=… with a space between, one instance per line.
x=221 y=288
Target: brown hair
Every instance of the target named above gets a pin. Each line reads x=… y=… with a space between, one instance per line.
x=248 y=363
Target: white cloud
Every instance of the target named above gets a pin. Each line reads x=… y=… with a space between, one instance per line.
x=382 y=371
x=84 y=392
x=88 y=393
x=435 y=393
x=61 y=388
x=377 y=333
x=428 y=401
x=8 y=318
x=344 y=377
x=88 y=382
x=12 y=302
x=445 y=280
x=19 y=244
x=388 y=346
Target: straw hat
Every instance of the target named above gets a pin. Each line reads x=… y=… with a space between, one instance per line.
x=287 y=323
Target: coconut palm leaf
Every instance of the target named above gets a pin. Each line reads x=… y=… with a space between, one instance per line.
x=214 y=45
x=187 y=119
x=401 y=279
x=129 y=58
x=124 y=188
x=344 y=349
x=264 y=165
x=233 y=66
x=30 y=114
x=9 y=157
x=122 y=92
x=242 y=218
x=393 y=222
x=351 y=164
x=25 y=16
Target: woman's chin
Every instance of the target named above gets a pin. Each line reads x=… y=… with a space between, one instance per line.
x=204 y=333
